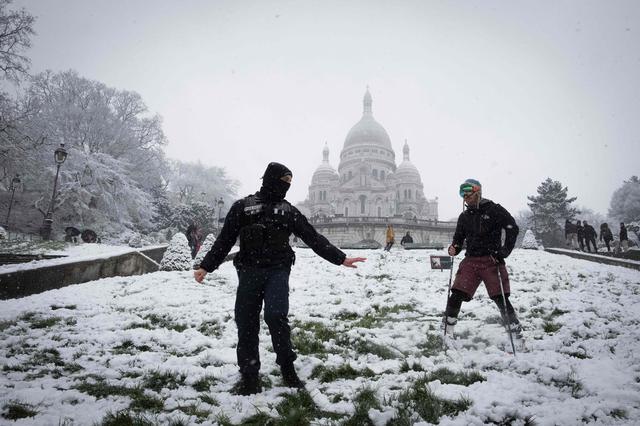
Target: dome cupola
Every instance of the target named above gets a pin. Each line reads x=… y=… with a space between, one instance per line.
x=367 y=131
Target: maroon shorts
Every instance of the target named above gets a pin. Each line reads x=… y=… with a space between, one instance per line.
x=472 y=270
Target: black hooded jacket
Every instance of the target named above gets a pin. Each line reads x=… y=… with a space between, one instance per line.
x=482 y=227
x=264 y=227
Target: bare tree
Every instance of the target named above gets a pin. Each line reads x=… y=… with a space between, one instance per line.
x=16 y=29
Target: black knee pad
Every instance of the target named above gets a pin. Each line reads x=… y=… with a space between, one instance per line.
x=460 y=296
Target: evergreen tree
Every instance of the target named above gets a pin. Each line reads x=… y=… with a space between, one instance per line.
x=550 y=208
x=177 y=257
x=625 y=202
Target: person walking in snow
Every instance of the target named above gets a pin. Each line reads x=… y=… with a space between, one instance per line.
x=624 y=237
x=264 y=222
x=571 y=234
x=407 y=239
x=480 y=225
x=606 y=235
x=590 y=236
x=580 y=233
x=194 y=237
x=391 y=237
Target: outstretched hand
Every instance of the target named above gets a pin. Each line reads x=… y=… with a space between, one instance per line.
x=349 y=261
x=199 y=274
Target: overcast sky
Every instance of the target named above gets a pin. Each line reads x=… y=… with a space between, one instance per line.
x=507 y=92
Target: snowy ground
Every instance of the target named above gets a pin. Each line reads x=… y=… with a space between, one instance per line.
x=161 y=347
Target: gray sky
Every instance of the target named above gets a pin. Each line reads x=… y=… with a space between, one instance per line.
x=507 y=92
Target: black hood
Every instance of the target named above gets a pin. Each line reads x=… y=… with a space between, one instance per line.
x=273 y=188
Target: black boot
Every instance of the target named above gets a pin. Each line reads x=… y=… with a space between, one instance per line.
x=290 y=377
x=249 y=384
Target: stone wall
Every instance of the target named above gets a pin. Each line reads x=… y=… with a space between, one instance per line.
x=23 y=283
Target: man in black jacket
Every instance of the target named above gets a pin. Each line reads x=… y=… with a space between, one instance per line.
x=264 y=222
x=590 y=236
x=481 y=225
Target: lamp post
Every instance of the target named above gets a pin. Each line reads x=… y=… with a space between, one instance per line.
x=15 y=181
x=220 y=206
x=60 y=155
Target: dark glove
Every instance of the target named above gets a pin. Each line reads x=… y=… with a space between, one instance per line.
x=498 y=256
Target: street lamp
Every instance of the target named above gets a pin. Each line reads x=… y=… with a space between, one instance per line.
x=60 y=155
x=12 y=187
x=220 y=206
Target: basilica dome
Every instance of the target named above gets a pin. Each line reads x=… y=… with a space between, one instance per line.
x=324 y=172
x=407 y=171
x=367 y=131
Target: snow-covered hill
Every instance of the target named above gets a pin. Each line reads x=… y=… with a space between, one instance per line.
x=161 y=347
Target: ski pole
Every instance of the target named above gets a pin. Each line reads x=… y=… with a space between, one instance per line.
x=504 y=313
x=446 y=323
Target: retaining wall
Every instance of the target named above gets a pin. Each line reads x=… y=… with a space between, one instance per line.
x=608 y=260
x=35 y=280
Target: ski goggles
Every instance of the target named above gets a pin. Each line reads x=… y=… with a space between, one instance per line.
x=467 y=188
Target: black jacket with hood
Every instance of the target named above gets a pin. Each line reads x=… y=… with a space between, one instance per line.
x=264 y=222
x=482 y=227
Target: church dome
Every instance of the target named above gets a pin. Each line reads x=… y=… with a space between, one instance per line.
x=367 y=131
x=324 y=171
x=406 y=171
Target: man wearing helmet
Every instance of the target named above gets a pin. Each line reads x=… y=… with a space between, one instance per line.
x=480 y=225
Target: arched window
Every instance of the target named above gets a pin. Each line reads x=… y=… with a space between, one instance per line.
x=379 y=211
x=350 y=175
x=324 y=195
x=346 y=211
x=363 y=201
x=381 y=174
x=375 y=173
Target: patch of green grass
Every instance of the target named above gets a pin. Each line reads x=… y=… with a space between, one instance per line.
x=493 y=319
x=347 y=316
x=344 y=371
x=367 y=321
x=157 y=380
x=4 y=325
x=379 y=277
x=419 y=398
x=296 y=409
x=446 y=376
x=99 y=388
x=306 y=344
x=550 y=326
x=618 y=413
x=194 y=410
x=56 y=307
x=16 y=410
x=209 y=399
x=364 y=346
x=46 y=356
x=128 y=347
x=125 y=418
x=210 y=328
x=165 y=321
x=204 y=384
x=44 y=322
x=512 y=418
x=134 y=325
x=405 y=367
x=364 y=401
x=432 y=346
x=571 y=383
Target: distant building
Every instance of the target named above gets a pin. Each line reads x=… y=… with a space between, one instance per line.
x=368 y=190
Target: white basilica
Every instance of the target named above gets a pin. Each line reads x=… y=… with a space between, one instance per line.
x=368 y=183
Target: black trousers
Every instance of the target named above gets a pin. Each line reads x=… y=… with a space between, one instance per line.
x=255 y=286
